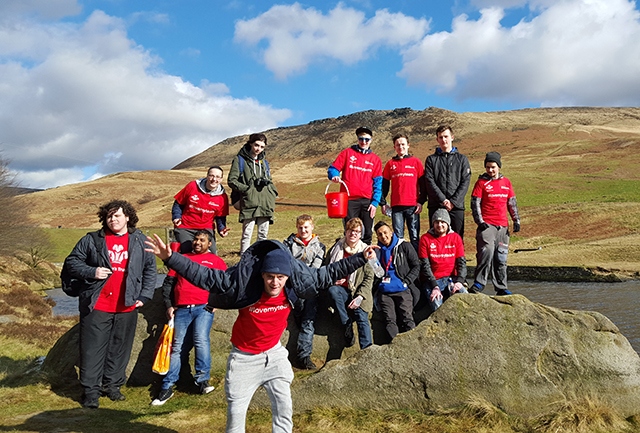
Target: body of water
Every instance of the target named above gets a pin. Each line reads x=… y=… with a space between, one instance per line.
x=617 y=301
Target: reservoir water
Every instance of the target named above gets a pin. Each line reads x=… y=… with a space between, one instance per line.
x=618 y=301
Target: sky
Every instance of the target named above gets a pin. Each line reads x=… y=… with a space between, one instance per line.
x=93 y=87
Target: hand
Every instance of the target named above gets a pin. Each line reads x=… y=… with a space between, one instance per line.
x=436 y=294
x=457 y=287
x=341 y=281
x=177 y=222
x=483 y=226
x=335 y=179
x=139 y=303
x=170 y=312
x=385 y=207
x=102 y=273
x=224 y=232
x=157 y=247
x=355 y=303
x=418 y=208
x=372 y=211
x=447 y=204
x=370 y=251
x=516 y=226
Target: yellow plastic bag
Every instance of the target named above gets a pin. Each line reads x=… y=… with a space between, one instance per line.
x=163 y=350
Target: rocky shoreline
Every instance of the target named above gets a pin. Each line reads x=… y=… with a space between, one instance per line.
x=568 y=274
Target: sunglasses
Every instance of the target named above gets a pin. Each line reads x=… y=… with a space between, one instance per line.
x=365 y=139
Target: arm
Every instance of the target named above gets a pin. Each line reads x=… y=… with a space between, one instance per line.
x=318 y=259
x=377 y=191
x=430 y=180
x=221 y=225
x=82 y=264
x=461 y=270
x=149 y=273
x=426 y=274
x=476 y=210
x=386 y=184
x=364 y=288
x=168 y=286
x=512 y=206
x=333 y=173
x=235 y=179
x=465 y=179
x=414 y=265
x=176 y=212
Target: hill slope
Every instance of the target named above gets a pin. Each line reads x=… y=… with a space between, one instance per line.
x=574 y=171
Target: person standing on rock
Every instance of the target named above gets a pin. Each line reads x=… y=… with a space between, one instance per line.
x=443 y=266
x=491 y=198
x=362 y=173
x=306 y=246
x=187 y=306
x=351 y=294
x=201 y=205
x=118 y=277
x=263 y=286
x=447 y=177
x=395 y=290
x=403 y=175
x=250 y=177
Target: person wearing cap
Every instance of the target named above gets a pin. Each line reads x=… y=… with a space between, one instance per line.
x=443 y=266
x=491 y=198
x=263 y=286
x=447 y=176
x=362 y=173
x=250 y=177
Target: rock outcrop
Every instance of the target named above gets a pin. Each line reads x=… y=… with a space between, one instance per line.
x=516 y=354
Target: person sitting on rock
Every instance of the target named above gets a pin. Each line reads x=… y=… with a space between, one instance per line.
x=306 y=246
x=351 y=295
x=394 y=291
x=187 y=305
x=443 y=267
x=492 y=196
x=263 y=286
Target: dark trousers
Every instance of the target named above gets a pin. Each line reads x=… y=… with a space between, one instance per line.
x=397 y=307
x=457 y=219
x=359 y=208
x=105 y=348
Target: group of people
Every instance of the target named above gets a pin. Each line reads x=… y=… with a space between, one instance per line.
x=117 y=268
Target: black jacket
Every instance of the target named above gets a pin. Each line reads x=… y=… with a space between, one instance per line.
x=242 y=285
x=447 y=176
x=86 y=256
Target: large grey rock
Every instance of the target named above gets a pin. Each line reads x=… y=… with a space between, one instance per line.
x=516 y=354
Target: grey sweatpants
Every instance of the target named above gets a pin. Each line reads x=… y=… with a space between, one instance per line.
x=246 y=372
x=492 y=248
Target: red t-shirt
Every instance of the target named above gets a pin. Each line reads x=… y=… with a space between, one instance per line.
x=199 y=209
x=404 y=175
x=186 y=293
x=442 y=253
x=358 y=171
x=259 y=327
x=111 y=298
x=494 y=195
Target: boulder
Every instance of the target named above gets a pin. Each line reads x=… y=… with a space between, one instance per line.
x=518 y=355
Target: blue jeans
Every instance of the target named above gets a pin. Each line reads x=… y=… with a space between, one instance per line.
x=402 y=214
x=443 y=284
x=201 y=321
x=307 y=327
x=341 y=298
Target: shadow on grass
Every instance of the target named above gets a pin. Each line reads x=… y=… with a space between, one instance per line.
x=86 y=420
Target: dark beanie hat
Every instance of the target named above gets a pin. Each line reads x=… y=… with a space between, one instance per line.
x=277 y=262
x=493 y=157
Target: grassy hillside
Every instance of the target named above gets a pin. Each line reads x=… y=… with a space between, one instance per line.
x=574 y=171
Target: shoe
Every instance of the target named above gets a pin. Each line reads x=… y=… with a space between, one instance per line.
x=165 y=394
x=114 y=395
x=503 y=292
x=476 y=287
x=306 y=363
x=350 y=338
x=204 y=387
x=90 y=402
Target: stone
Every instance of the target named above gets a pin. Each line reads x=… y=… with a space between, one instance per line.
x=518 y=355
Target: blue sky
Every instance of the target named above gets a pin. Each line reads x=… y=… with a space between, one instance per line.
x=91 y=87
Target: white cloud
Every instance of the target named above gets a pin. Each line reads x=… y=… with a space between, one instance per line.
x=297 y=37
x=74 y=96
x=572 y=52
